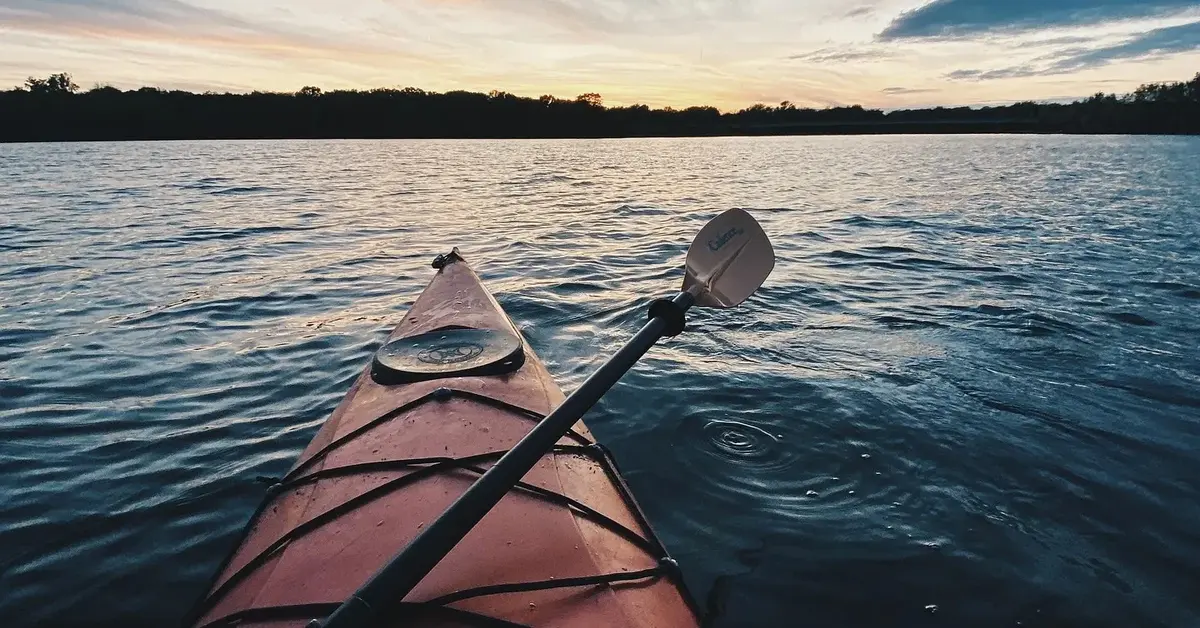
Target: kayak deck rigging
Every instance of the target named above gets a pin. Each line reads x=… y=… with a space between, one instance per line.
x=336 y=481
x=666 y=566
x=424 y=467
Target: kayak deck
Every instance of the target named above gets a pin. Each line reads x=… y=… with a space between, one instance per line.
x=568 y=547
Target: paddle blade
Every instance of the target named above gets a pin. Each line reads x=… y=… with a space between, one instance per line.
x=728 y=261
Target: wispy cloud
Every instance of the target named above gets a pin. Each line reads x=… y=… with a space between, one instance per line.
x=178 y=22
x=571 y=17
x=992 y=75
x=958 y=18
x=1065 y=40
x=896 y=91
x=729 y=53
x=105 y=16
x=842 y=55
x=609 y=17
x=1159 y=42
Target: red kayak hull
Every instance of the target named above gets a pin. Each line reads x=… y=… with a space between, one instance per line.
x=392 y=457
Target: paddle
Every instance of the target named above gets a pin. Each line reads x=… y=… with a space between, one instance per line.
x=729 y=259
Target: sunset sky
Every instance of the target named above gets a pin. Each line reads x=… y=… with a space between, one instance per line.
x=728 y=53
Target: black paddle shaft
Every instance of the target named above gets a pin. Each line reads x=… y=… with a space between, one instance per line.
x=371 y=602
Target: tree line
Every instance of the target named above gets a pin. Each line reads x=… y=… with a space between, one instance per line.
x=55 y=109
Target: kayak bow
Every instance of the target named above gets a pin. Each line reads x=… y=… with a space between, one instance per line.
x=454 y=387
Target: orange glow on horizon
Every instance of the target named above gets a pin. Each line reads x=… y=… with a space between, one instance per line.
x=680 y=55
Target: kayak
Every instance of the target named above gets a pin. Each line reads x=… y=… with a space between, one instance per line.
x=453 y=387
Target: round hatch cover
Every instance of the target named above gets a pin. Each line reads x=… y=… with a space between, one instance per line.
x=448 y=353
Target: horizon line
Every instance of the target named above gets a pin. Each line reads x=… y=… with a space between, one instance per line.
x=1061 y=100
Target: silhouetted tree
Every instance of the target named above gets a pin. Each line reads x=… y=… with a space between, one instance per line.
x=54 y=84
x=53 y=109
x=591 y=99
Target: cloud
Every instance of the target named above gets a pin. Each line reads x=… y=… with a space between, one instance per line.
x=959 y=18
x=896 y=91
x=175 y=21
x=1162 y=41
x=606 y=18
x=729 y=53
x=992 y=75
x=118 y=14
x=842 y=55
x=577 y=18
x=1066 y=40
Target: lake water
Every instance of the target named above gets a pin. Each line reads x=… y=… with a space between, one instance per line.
x=969 y=395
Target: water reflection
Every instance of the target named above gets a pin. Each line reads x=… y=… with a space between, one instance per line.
x=966 y=387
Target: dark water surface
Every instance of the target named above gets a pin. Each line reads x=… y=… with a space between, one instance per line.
x=968 y=396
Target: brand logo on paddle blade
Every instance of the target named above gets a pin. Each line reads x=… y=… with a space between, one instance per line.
x=716 y=244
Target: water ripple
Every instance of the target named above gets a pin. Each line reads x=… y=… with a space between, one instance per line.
x=969 y=385
x=745 y=444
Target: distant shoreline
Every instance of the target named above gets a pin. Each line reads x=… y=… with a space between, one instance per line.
x=915 y=130
x=53 y=109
